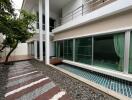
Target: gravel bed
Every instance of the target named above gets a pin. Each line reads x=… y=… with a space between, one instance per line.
x=75 y=88
x=3 y=80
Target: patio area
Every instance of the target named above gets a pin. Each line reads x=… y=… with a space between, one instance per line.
x=26 y=57
x=16 y=58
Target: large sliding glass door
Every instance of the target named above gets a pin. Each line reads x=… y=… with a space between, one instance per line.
x=83 y=50
x=109 y=51
x=106 y=51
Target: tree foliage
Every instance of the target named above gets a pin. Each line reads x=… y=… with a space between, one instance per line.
x=6 y=8
x=16 y=30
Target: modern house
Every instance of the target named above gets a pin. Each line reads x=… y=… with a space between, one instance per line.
x=92 y=34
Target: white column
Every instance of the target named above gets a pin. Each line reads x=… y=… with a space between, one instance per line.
x=47 y=40
x=40 y=30
x=35 y=49
x=126 y=51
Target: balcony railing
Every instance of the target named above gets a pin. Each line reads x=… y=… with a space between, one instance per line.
x=88 y=7
x=51 y=27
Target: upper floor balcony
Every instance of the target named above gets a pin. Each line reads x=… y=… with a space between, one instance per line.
x=86 y=7
x=92 y=10
x=65 y=14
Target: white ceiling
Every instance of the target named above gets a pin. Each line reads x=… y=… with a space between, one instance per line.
x=55 y=5
x=58 y=4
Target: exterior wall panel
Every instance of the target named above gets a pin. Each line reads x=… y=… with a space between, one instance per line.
x=114 y=22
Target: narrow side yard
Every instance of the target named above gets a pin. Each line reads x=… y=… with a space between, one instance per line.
x=75 y=88
x=26 y=80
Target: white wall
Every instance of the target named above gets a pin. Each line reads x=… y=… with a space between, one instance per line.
x=21 y=49
x=72 y=5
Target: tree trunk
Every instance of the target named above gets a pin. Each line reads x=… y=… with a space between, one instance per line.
x=7 y=57
x=2 y=48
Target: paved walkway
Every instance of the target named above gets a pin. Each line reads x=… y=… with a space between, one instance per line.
x=26 y=83
x=16 y=58
x=26 y=57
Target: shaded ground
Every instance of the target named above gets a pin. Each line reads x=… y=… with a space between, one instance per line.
x=3 y=81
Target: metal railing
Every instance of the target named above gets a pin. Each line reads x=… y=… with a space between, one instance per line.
x=88 y=7
x=43 y=26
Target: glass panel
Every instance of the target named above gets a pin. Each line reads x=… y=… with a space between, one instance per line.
x=109 y=51
x=43 y=49
x=83 y=49
x=38 y=49
x=68 y=49
x=59 y=49
x=130 y=55
x=55 y=49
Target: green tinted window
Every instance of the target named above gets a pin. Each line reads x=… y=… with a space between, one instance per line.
x=59 y=49
x=68 y=49
x=83 y=50
x=109 y=51
x=55 y=49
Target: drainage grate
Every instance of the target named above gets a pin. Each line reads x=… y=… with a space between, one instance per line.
x=118 y=85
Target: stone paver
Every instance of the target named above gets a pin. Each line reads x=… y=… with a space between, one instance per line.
x=27 y=83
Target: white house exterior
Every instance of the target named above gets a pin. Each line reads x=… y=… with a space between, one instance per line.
x=92 y=34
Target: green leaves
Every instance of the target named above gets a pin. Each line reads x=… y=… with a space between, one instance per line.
x=6 y=8
x=15 y=30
